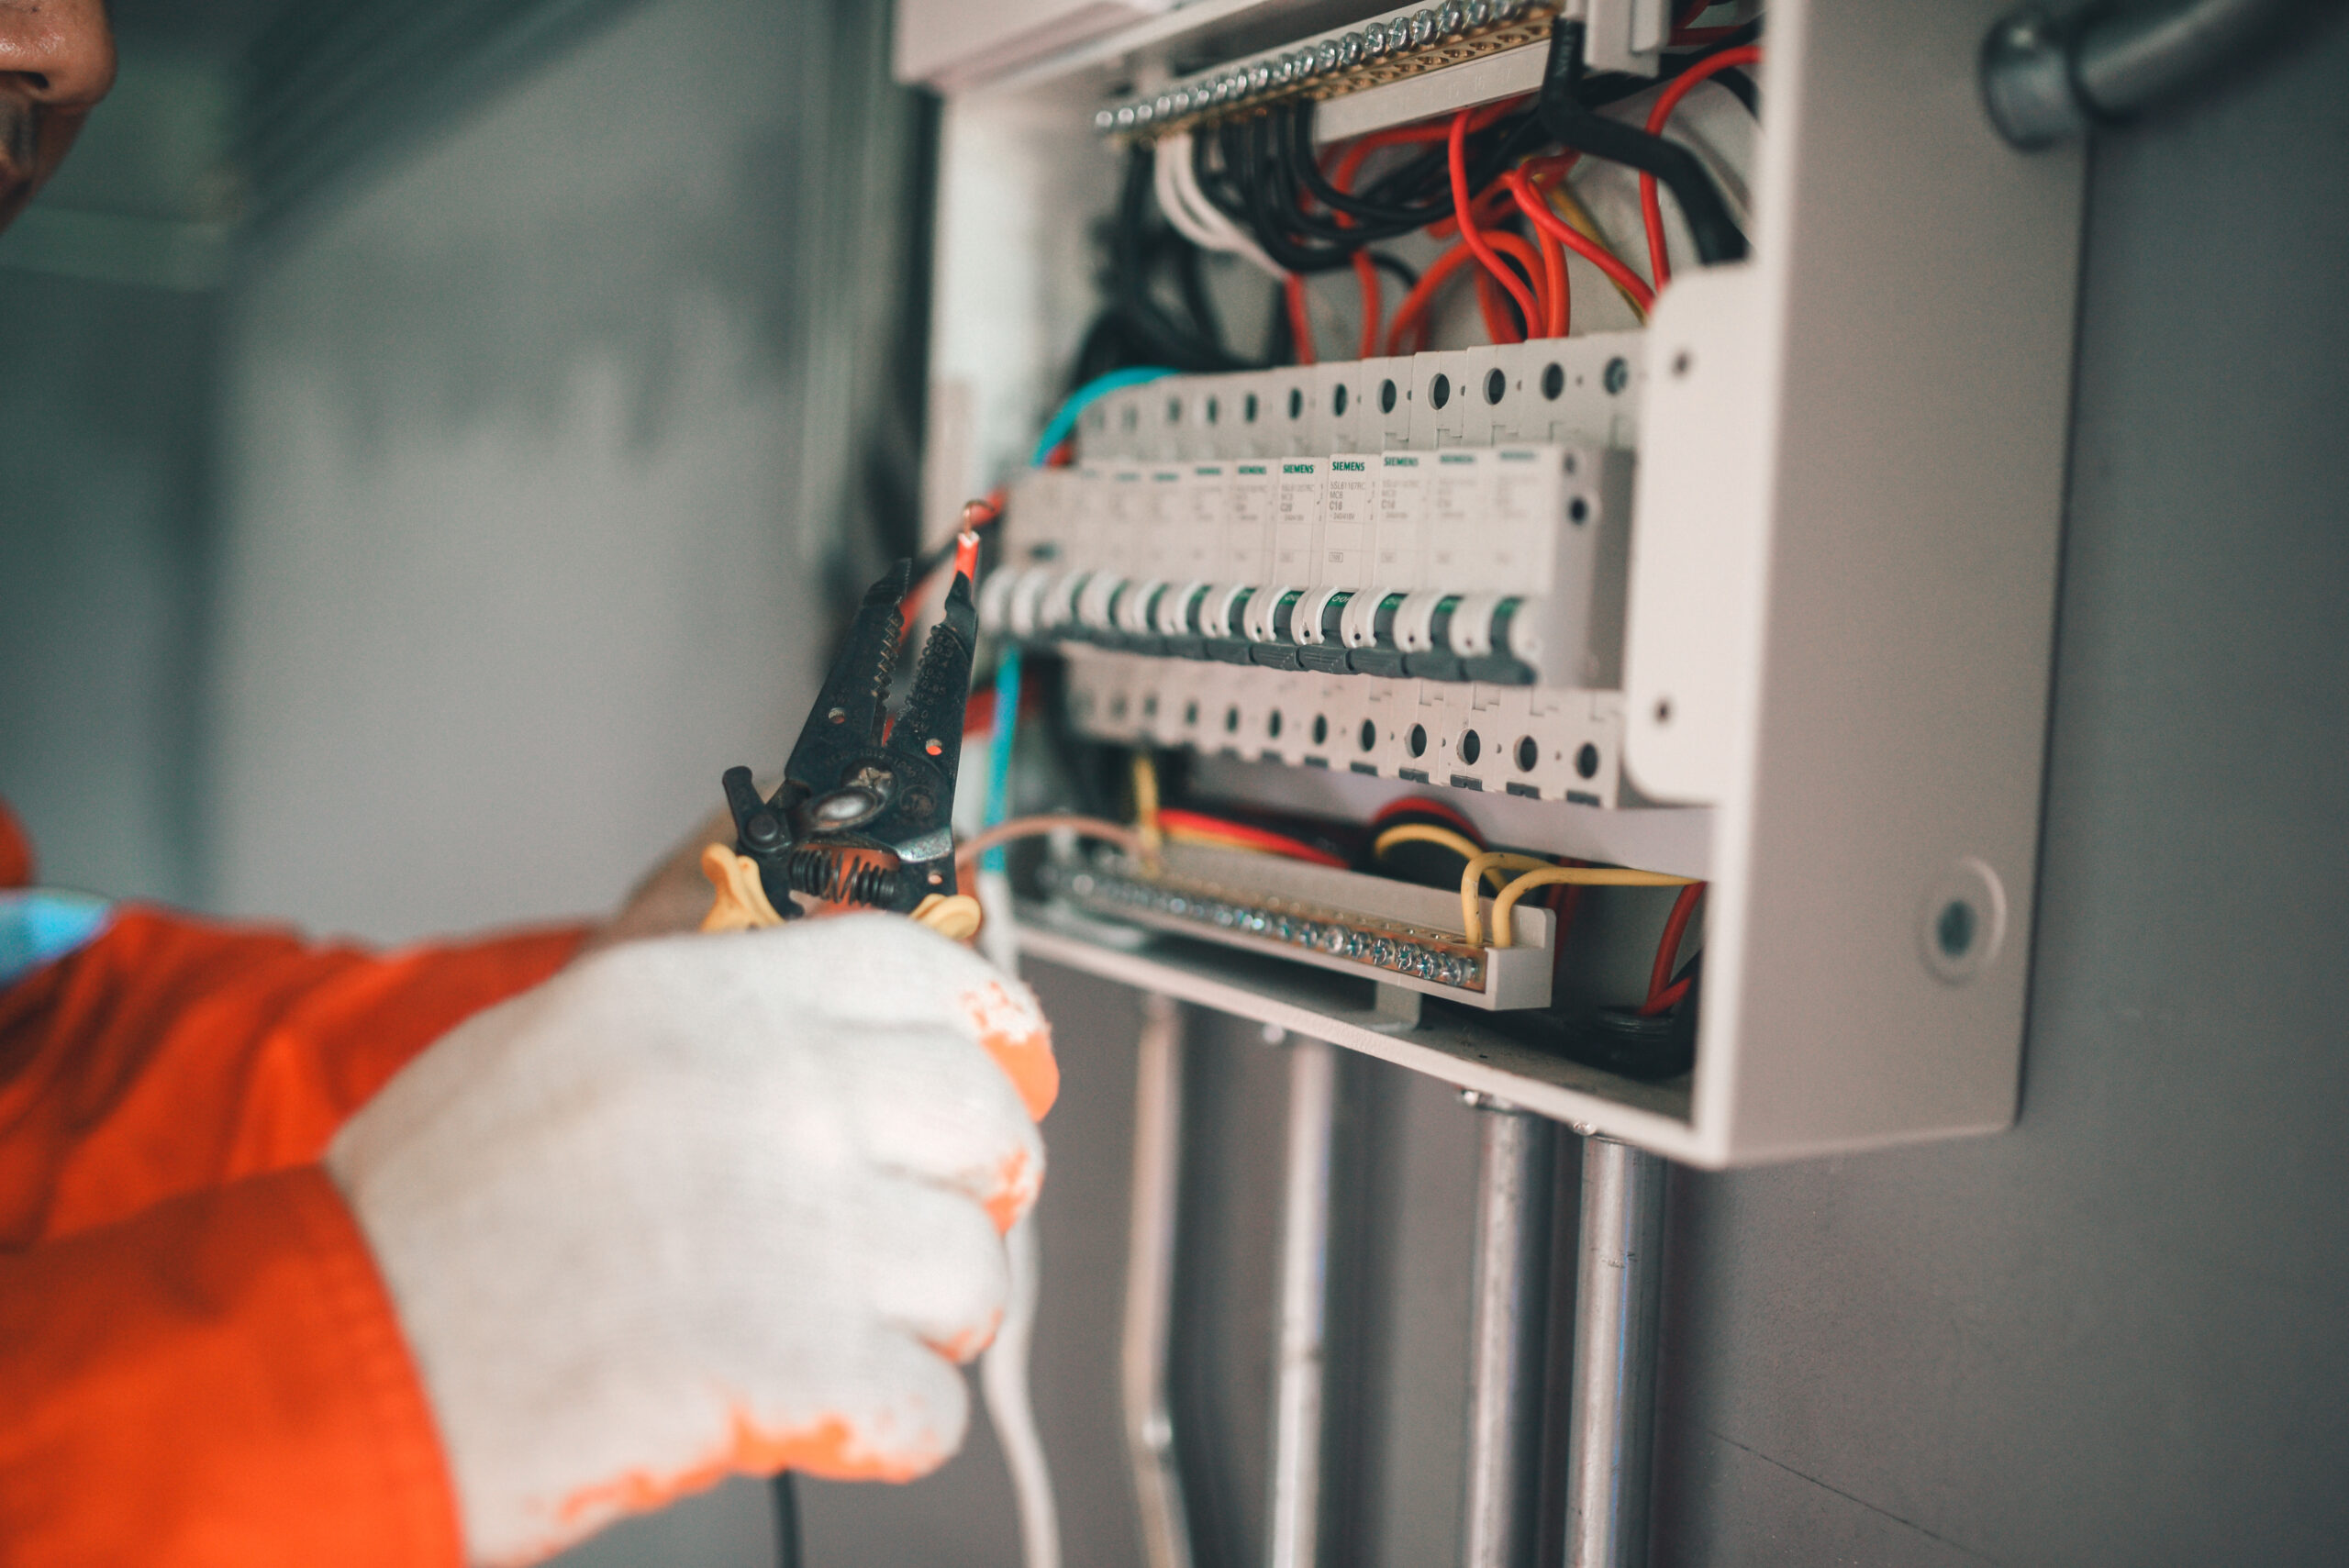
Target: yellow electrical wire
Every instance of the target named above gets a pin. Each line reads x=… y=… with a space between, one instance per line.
x=1477 y=866
x=1460 y=844
x=1146 y=809
x=1546 y=875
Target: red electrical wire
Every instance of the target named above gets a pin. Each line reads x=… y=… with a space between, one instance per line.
x=1300 y=325
x=1264 y=838
x=1565 y=899
x=1557 y=301
x=1661 y=994
x=1650 y=207
x=1499 y=323
x=1367 y=274
x=1471 y=235
x=1450 y=816
x=1493 y=306
x=1409 y=314
x=1576 y=240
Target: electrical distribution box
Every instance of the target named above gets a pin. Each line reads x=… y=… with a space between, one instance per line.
x=1760 y=593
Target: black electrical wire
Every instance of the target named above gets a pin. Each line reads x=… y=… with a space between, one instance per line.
x=1425 y=181
x=1396 y=268
x=1134 y=249
x=1567 y=117
x=1742 y=86
x=787 y=1543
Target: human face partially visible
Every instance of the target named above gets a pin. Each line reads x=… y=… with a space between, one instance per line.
x=56 y=62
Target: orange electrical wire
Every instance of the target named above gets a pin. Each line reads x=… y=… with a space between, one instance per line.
x=1574 y=239
x=1663 y=994
x=1300 y=325
x=1651 y=205
x=1557 y=302
x=1516 y=250
x=1411 y=313
x=1493 y=306
x=1473 y=237
x=1366 y=275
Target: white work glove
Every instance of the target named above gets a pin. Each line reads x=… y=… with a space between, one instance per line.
x=700 y=1206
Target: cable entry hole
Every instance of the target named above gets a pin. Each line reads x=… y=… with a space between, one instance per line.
x=1417 y=740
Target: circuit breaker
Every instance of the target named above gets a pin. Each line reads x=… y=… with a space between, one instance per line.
x=1756 y=592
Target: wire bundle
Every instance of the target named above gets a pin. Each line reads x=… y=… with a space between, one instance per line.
x=1257 y=188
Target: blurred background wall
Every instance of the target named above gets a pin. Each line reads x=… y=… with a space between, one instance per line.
x=436 y=439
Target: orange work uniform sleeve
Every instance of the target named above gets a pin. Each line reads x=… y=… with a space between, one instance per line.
x=198 y=1362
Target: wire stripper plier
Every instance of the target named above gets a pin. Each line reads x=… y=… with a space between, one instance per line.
x=864 y=815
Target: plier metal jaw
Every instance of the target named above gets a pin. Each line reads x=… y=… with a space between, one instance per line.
x=864 y=815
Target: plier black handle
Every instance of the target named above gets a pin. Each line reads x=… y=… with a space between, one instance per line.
x=864 y=815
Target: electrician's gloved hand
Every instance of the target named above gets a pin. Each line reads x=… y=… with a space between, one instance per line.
x=704 y=1205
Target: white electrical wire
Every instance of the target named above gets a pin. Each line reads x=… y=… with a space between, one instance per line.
x=1002 y=1382
x=1194 y=216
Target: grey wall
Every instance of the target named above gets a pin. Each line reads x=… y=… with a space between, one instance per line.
x=102 y=454
x=535 y=452
x=2112 y=1335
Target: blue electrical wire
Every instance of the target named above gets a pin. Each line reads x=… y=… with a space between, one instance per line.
x=1056 y=430
x=1007 y=669
x=1006 y=716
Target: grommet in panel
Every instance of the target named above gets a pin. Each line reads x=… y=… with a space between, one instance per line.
x=1962 y=921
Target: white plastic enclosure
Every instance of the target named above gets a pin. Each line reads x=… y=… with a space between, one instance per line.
x=1844 y=534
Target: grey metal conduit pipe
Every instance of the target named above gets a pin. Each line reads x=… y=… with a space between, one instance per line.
x=1300 y=1358
x=2049 y=73
x=1610 y=1424
x=1509 y=1330
x=1150 y=1286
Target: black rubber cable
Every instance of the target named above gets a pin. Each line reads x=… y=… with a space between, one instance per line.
x=1742 y=86
x=1152 y=330
x=1565 y=116
x=787 y=1541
